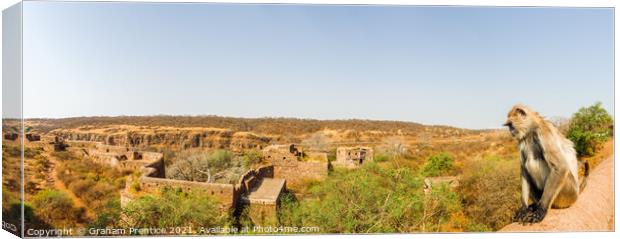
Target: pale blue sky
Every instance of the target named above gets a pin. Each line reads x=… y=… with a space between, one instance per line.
x=458 y=66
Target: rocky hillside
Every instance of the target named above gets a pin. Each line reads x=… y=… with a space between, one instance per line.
x=238 y=134
x=276 y=126
x=180 y=138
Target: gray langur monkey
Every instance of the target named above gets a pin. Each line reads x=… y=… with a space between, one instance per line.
x=549 y=165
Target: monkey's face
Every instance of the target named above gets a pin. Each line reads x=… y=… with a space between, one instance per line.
x=519 y=123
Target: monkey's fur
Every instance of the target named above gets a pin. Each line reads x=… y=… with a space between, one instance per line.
x=549 y=165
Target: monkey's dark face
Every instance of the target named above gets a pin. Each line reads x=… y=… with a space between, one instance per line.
x=518 y=122
x=511 y=128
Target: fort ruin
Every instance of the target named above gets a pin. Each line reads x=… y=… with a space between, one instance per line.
x=352 y=157
x=33 y=137
x=11 y=136
x=259 y=189
x=288 y=162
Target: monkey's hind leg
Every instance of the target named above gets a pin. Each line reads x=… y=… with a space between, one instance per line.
x=557 y=183
x=568 y=195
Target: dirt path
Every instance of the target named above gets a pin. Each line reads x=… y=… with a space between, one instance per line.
x=59 y=185
x=593 y=211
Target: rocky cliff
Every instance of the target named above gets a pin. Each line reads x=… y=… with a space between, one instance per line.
x=181 y=138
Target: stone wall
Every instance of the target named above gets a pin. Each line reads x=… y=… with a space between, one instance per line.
x=287 y=163
x=82 y=143
x=258 y=182
x=124 y=157
x=249 y=179
x=283 y=152
x=295 y=171
x=154 y=177
x=224 y=193
x=353 y=156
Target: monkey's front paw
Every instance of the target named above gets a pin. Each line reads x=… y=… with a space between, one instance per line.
x=520 y=214
x=536 y=215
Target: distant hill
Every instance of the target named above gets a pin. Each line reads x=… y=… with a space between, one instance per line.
x=257 y=125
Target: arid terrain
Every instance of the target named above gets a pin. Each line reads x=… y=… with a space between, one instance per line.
x=115 y=172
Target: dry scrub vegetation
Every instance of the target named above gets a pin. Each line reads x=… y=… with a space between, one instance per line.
x=387 y=195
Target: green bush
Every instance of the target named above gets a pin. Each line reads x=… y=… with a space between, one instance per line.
x=251 y=157
x=97 y=185
x=135 y=186
x=108 y=216
x=372 y=199
x=175 y=208
x=439 y=164
x=220 y=159
x=589 y=127
x=381 y=157
x=56 y=208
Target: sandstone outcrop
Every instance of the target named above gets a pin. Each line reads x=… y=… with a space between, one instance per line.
x=180 y=138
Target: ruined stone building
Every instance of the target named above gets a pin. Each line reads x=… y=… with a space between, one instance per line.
x=10 y=136
x=59 y=144
x=351 y=157
x=33 y=137
x=261 y=193
x=260 y=189
x=283 y=151
x=289 y=162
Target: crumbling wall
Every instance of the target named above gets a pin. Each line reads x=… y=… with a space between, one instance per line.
x=295 y=171
x=224 y=193
x=11 y=136
x=249 y=179
x=283 y=152
x=114 y=149
x=33 y=137
x=264 y=214
x=124 y=157
x=353 y=156
x=82 y=143
x=154 y=177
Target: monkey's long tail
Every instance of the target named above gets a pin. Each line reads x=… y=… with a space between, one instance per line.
x=586 y=173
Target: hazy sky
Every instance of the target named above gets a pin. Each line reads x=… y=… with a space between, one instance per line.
x=459 y=66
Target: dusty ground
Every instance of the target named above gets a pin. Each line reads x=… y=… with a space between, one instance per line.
x=593 y=211
x=59 y=185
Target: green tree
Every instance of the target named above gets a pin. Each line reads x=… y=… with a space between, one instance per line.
x=589 y=127
x=439 y=164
